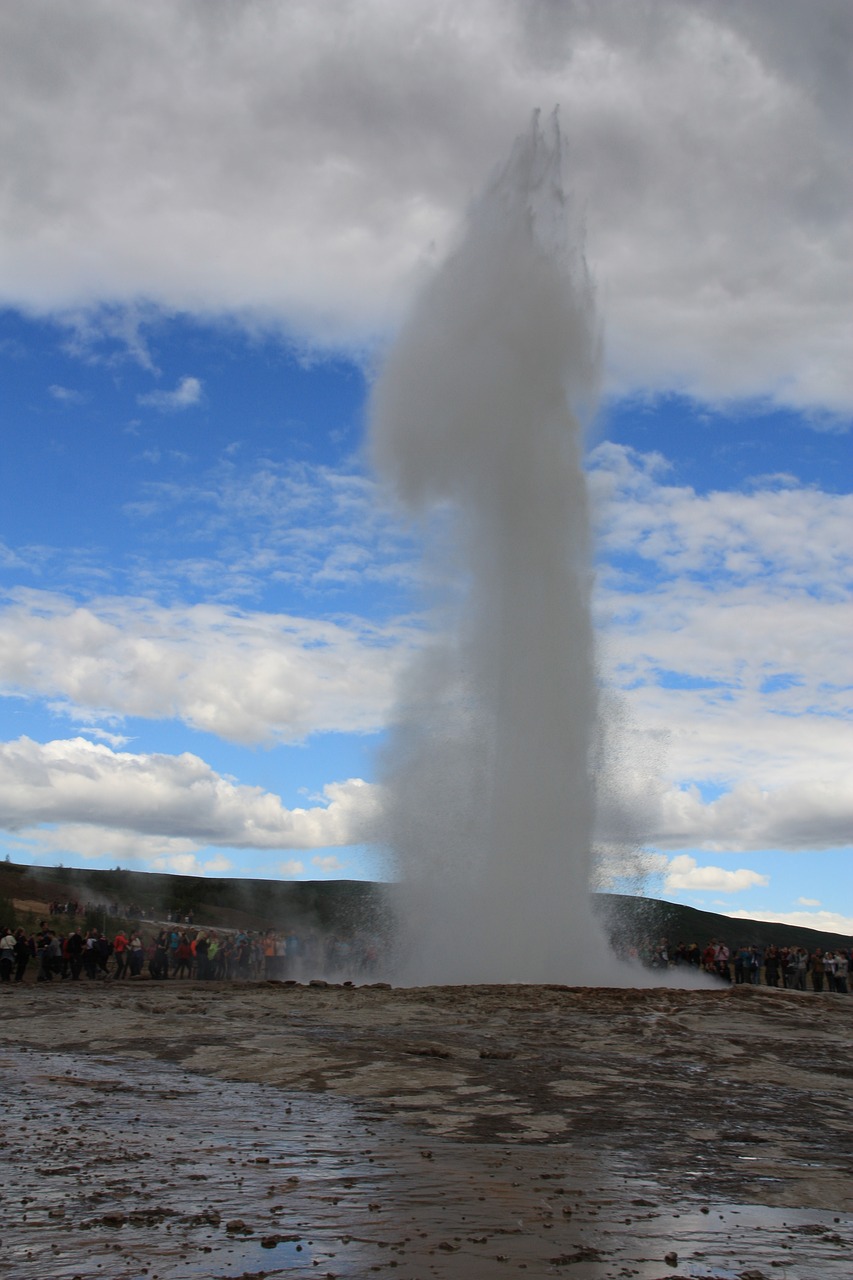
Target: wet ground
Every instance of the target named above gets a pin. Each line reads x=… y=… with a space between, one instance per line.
x=174 y=1129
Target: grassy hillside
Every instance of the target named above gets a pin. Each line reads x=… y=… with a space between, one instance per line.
x=334 y=905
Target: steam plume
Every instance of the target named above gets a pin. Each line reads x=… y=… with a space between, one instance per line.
x=476 y=425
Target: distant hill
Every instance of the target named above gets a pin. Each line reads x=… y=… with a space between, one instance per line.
x=227 y=903
x=335 y=906
x=649 y=917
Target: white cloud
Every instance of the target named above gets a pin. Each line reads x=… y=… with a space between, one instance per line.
x=187 y=393
x=291 y=868
x=104 y=735
x=66 y=395
x=327 y=863
x=187 y=864
x=90 y=841
x=795 y=535
x=808 y=902
x=828 y=921
x=298 y=524
x=75 y=782
x=734 y=664
x=683 y=873
x=811 y=815
x=294 y=165
x=247 y=677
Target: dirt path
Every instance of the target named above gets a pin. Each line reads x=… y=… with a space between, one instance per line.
x=197 y=1130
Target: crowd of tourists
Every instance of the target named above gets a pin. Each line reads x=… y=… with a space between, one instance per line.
x=796 y=968
x=71 y=907
x=176 y=951
x=180 y=951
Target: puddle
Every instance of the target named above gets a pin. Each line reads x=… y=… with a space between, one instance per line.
x=133 y=1169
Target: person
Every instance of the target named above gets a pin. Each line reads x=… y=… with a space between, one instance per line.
x=74 y=946
x=243 y=954
x=281 y=949
x=816 y=967
x=721 y=961
x=7 y=954
x=771 y=966
x=45 y=957
x=268 y=946
x=202 y=946
x=103 y=951
x=90 y=954
x=183 y=959
x=829 y=969
x=842 y=969
x=158 y=965
x=213 y=957
x=801 y=960
x=120 y=945
x=743 y=964
x=136 y=954
x=23 y=954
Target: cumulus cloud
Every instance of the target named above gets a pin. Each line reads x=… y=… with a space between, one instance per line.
x=734 y=666
x=73 y=781
x=683 y=872
x=810 y=815
x=734 y=658
x=795 y=533
x=186 y=393
x=247 y=677
x=297 y=165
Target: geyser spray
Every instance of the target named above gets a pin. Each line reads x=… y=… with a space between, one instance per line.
x=477 y=427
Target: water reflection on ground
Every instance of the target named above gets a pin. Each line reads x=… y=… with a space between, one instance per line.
x=140 y=1170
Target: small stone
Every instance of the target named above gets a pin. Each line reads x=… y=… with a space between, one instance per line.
x=671 y=1259
x=236 y=1226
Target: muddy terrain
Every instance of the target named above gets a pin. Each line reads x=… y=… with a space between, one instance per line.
x=177 y=1129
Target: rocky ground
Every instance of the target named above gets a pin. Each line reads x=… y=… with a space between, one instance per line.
x=173 y=1129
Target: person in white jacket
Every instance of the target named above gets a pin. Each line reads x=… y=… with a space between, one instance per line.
x=7 y=954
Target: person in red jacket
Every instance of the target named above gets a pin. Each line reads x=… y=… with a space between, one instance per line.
x=120 y=945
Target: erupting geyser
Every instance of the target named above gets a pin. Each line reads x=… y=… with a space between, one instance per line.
x=477 y=427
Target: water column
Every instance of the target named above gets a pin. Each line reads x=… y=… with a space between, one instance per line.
x=476 y=427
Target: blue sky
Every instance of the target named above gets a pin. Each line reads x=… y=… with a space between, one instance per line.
x=206 y=598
